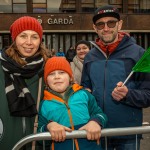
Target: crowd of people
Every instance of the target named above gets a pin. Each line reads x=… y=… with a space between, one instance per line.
x=45 y=91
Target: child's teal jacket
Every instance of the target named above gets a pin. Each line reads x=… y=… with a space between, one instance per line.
x=74 y=110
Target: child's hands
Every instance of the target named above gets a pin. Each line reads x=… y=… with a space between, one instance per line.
x=57 y=131
x=93 y=130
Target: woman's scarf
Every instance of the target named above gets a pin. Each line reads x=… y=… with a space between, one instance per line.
x=78 y=63
x=76 y=67
x=20 y=101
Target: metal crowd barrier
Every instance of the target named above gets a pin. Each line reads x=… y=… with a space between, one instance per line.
x=82 y=134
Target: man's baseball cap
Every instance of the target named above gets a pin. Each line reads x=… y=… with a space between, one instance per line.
x=106 y=11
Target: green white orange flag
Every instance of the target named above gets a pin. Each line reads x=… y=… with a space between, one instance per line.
x=143 y=65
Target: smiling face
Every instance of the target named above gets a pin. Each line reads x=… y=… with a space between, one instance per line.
x=109 y=33
x=82 y=50
x=58 y=81
x=27 y=43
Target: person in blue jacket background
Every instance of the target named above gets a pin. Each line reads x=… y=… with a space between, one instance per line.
x=60 y=53
x=106 y=67
x=66 y=107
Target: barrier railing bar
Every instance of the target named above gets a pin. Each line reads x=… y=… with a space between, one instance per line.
x=82 y=134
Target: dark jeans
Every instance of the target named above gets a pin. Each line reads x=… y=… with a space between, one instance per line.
x=121 y=144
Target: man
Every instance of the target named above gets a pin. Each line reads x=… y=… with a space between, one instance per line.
x=105 y=69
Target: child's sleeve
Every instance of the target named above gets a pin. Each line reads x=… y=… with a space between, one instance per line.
x=42 y=125
x=95 y=111
x=42 y=121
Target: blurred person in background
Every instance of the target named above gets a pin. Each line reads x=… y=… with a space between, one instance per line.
x=53 y=52
x=70 y=54
x=82 y=48
x=60 y=53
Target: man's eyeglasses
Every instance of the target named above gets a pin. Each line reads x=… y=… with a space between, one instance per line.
x=110 y=24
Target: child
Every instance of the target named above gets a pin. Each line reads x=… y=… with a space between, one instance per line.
x=68 y=107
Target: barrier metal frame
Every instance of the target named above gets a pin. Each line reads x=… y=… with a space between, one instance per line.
x=82 y=134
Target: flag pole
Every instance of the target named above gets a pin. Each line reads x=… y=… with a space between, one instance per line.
x=128 y=78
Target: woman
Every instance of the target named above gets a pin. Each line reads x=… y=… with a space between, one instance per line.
x=20 y=70
x=82 y=48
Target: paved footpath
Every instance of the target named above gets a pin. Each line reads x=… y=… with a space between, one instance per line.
x=145 y=143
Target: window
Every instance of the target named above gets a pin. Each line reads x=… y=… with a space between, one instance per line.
x=145 y=6
x=87 y=5
x=6 y=6
x=133 y=6
x=99 y=3
x=117 y=4
x=39 y=6
x=136 y=6
x=67 y=6
x=19 y=6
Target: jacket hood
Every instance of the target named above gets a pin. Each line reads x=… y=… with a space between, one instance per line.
x=49 y=94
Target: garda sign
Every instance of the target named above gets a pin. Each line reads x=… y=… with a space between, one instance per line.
x=60 y=21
